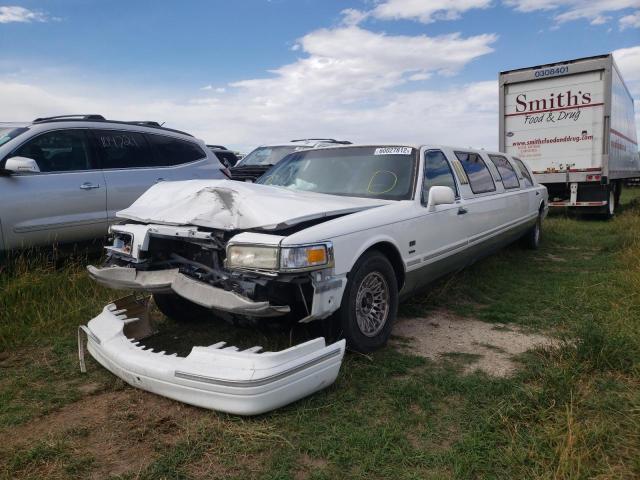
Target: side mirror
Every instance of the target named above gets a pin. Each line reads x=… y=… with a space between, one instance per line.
x=21 y=164
x=440 y=195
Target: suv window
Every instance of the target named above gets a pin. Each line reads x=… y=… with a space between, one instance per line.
x=172 y=151
x=123 y=149
x=437 y=172
x=58 y=151
x=528 y=181
x=507 y=173
x=480 y=178
x=228 y=158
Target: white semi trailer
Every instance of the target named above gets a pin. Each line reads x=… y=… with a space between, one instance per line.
x=574 y=123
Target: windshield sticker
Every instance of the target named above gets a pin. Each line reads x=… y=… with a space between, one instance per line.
x=393 y=151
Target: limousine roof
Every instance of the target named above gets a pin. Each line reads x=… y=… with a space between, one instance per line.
x=422 y=145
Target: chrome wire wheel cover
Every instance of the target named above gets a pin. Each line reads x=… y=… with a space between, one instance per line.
x=372 y=304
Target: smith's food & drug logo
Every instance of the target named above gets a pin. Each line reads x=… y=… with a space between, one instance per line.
x=555 y=101
x=556 y=108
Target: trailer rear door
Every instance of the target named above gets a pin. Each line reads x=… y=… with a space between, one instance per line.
x=556 y=123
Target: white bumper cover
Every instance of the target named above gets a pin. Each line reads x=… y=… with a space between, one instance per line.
x=215 y=377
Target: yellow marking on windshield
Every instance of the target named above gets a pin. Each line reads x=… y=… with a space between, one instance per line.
x=395 y=182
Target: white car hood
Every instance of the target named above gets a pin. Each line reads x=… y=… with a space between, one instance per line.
x=231 y=205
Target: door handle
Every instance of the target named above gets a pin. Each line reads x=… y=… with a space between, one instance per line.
x=160 y=180
x=89 y=186
x=462 y=211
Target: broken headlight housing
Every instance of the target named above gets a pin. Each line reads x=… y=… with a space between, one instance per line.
x=256 y=257
x=285 y=259
x=122 y=243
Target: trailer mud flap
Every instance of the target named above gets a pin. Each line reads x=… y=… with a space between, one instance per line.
x=218 y=377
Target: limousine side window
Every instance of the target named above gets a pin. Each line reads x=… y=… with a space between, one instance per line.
x=480 y=179
x=528 y=181
x=507 y=173
x=437 y=172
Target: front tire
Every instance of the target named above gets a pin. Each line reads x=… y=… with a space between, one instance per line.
x=369 y=303
x=180 y=309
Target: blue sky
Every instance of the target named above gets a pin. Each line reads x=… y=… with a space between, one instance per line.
x=255 y=71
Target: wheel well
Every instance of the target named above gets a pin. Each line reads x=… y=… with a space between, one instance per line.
x=391 y=252
x=541 y=209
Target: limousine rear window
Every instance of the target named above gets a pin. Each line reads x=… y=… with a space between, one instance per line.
x=480 y=178
x=371 y=172
x=506 y=171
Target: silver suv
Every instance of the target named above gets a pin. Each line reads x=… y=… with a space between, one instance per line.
x=62 y=179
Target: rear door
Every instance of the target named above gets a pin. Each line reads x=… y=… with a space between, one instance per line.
x=487 y=209
x=65 y=202
x=516 y=201
x=134 y=161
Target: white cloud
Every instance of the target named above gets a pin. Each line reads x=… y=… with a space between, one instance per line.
x=344 y=85
x=351 y=16
x=460 y=115
x=351 y=63
x=630 y=21
x=15 y=14
x=593 y=11
x=420 y=10
x=628 y=60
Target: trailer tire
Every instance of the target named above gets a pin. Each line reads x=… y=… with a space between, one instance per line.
x=610 y=207
x=531 y=239
x=369 y=303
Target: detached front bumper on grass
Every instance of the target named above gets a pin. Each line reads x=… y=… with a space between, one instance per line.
x=216 y=377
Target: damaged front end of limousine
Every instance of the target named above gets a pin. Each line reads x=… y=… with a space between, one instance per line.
x=217 y=247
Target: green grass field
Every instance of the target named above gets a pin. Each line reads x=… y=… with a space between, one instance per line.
x=569 y=412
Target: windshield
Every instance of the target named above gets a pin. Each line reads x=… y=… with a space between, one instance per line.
x=267 y=155
x=372 y=172
x=7 y=133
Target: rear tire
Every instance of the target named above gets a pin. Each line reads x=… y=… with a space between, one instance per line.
x=180 y=309
x=531 y=239
x=369 y=303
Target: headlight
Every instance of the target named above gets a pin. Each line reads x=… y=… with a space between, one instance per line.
x=287 y=259
x=252 y=256
x=307 y=257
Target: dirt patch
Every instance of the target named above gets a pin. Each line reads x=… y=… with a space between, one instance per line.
x=486 y=346
x=117 y=429
x=308 y=465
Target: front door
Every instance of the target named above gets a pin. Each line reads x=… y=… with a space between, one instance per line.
x=441 y=233
x=65 y=202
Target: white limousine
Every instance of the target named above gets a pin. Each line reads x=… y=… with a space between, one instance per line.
x=337 y=234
